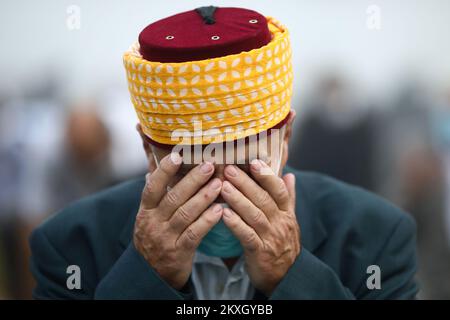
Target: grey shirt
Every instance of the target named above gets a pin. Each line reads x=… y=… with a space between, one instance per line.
x=212 y=279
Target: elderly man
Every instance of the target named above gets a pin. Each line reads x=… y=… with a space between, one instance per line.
x=215 y=218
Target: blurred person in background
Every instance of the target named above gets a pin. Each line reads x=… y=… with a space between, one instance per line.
x=441 y=142
x=28 y=124
x=10 y=223
x=83 y=165
x=49 y=156
x=399 y=152
x=403 y=130
x=411 y=172
x=336 y=136
x=428 y=191
x=9 y=177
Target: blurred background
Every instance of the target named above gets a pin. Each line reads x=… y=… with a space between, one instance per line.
x=371 y=90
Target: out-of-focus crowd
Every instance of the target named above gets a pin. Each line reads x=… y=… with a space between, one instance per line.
x=52 y=153
x=399 y=150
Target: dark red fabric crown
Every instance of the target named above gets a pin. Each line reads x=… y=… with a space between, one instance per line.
x=204 y=33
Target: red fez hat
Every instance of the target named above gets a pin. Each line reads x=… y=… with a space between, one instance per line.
x=204 y=33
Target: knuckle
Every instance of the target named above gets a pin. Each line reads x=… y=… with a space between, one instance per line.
x=286 y=228
x=172 y=198
x=183 y=214
x=191 y=235
x=258 y=217
x=282 y=192
x=144 y=234
x=148 y=188
x=263 y=198
x=249 y=237
x=282 y=197
x=188 y=245
x=171 y=251
x=140 y=219
x=143 y=221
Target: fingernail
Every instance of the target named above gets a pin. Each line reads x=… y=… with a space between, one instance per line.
x=227 y=187
x=231 y=170
x=175 y=158
x=256 y=164
x=206 y=167
x=216 y=184
x=217 y=208
x=227 y=212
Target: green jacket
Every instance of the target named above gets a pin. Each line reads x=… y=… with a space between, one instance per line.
x=344 y=230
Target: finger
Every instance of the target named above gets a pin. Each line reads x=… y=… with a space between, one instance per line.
x=269 y=181
x=191 y=209
x=257 y=195
x=248 y=237
x=191 y=237
x=289 y=180
x=251 y=214
x=186 y=188
x=156 y=182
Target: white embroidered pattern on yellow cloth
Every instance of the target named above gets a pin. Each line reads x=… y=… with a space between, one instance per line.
x=213 y=100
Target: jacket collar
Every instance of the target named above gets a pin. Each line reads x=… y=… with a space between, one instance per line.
x=134 y=200
x=313 y=232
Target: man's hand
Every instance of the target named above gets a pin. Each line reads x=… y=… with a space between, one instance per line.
x=170 y=224
x=263 y=219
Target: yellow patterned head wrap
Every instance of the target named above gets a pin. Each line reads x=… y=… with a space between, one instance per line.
x=213 y=100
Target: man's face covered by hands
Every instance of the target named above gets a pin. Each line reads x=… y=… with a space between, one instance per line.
x=221 y=205
x=220 y=241
x=271 y=148
x=268 y=148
